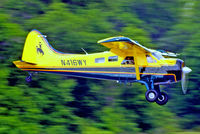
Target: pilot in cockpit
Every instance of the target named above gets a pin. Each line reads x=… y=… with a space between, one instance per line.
x=129 y=60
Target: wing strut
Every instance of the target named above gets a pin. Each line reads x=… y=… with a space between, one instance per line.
x=137 y=71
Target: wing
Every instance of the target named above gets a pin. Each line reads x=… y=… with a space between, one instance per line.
x=122 y=45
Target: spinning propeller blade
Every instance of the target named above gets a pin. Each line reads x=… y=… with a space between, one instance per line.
x=184 y=80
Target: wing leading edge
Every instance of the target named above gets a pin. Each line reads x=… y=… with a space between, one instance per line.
x=123 y=43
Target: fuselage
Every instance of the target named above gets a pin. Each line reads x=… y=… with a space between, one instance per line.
x=126 y=61
x=107 y=65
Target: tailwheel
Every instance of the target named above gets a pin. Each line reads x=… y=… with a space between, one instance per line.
x=162 y=99
x=28 y=78
x=151 y=95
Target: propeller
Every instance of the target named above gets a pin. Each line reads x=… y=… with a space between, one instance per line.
x=184 y=80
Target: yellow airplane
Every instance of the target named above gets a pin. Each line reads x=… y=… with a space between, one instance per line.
x=126 y=62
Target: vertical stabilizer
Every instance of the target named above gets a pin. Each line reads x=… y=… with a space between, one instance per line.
x=36 y=48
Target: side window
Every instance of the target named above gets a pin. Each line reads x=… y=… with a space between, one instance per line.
x=150 y=59
x=113 y=58
x=100 y=60
x=129 y=60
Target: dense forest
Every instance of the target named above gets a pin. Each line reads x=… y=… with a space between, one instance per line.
x=53 y=104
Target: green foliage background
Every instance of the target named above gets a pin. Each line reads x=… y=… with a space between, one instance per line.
x=54 y=104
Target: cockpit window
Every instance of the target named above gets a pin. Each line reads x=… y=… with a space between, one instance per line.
x=113 y=58
x=129 y=60
x=149 y=59
x=157 y=55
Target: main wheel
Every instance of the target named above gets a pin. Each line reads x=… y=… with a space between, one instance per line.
x=28 y=79
x=162 y=99
x=151 y=95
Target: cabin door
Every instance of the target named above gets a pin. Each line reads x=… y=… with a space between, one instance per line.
x=127 y=69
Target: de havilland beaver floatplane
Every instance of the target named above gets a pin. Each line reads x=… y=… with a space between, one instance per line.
x=126 y=62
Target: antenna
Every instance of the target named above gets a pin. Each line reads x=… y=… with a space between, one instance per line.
x=42 y=36
x=84 y=51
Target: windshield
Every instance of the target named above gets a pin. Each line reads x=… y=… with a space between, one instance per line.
x=158 y=55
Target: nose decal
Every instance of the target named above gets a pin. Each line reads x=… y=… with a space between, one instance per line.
x=39 y=49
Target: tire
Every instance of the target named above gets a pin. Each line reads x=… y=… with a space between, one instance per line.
x=28 y=79
x=162 y=99
x=151 y=95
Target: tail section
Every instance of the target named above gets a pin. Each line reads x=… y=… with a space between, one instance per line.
x=37 y=49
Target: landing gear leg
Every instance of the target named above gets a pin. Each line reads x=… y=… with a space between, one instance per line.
x=151 y=94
